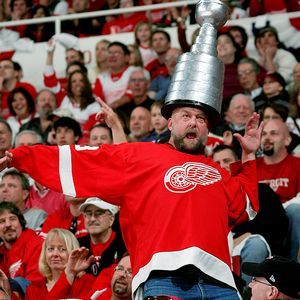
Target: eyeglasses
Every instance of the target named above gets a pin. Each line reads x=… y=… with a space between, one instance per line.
x=96 y=214
x=255 y=280
x=127 y=272
x=245 y=73
x=140 y=80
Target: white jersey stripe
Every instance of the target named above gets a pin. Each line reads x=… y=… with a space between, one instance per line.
x=65 y=171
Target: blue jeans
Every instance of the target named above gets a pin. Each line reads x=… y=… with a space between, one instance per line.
x=187 y=290
x=254 y=250
x=293 y=213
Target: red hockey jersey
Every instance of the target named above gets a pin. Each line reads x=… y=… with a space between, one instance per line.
x=175 y=207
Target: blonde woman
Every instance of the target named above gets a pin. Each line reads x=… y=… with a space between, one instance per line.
x=56 y=265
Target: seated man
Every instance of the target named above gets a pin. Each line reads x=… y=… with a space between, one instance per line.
x=20 y=247
x=14 y=187
x=105 y=243
x=274 y=278
x=281 y=171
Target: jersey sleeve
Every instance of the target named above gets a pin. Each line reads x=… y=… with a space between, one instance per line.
x=242 y=192
x=78 y=171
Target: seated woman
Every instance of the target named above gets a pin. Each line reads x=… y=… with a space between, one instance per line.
x=21 y=107
x=56 y=265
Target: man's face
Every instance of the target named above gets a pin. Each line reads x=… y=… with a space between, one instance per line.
x=10 y=227
x=5 y=138
x=80 y=5
x=117 y=58
x=275 y=138
x=11 y=190
x=297 y=72
x=138 y=84
x=100 y=136
x=7 y=70
x=247 y=77
x=160 y=43
x=72 y=55
x=171 y=59
x=240 y=110
x=65 y=136
x=46 y=103
x=224 y=158
x=189 y=129
x=97 y=221
x=140 y=122
x=122 y=278
x=260 y=289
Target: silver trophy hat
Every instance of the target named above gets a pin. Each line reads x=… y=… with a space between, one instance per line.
x=199 y=74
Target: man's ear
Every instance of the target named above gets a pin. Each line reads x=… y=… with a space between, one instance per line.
x=170 y=124
x=287 y=140
x=273 y=292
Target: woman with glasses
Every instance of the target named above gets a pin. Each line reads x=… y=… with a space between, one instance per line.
x=61 y=279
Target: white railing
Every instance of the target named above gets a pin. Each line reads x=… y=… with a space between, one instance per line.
x=118 y=11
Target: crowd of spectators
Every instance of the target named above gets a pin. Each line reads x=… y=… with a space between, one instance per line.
x=120 y=101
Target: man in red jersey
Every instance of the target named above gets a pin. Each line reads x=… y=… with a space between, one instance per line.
x=281 y=171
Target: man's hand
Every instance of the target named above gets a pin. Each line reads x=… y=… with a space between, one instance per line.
x=4 y=283
x=5 y=160
x=251 y=140
x=77 y=262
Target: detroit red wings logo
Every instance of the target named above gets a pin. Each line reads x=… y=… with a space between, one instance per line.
x=181 y=179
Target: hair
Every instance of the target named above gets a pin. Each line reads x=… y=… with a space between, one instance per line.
x=27 y=96
x=237 y=55
x=38 y=137
x=102 y=126
x=12 y=2
x=166 y=34
x=145 y=72
x=137 y=27
x=35 y=8
x=81 y=66
x=222 y=147
x=121 y=45
x=253 y=62
x=251 y=102
x=158 y=104
x=13 y=209
x=44 y=90
x=87 y=96
x=24 y=180
x=80 y=53
x=278 y=109
x=243 y=34
x=17 y=67
x=138 y=56
x=69 y=123
x=63 y=234
x=6 y=125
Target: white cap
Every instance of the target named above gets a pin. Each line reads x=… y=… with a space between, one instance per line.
x=99 y=203
x=67 y=40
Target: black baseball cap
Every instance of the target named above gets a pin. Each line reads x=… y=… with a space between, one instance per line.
x=280 y=272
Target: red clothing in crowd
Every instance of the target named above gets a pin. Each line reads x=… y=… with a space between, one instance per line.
x=283 y=178
x=21 y=260
x=62 y=219
x=156 y=68
x=179 y=187
x=122 y=24
x=4 y=107
x=47 y=200
x=57 y=86
x=61 y=290
x=258 y=7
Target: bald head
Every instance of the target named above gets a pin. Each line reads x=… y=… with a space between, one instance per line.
x=275 y=139
x=140 y=122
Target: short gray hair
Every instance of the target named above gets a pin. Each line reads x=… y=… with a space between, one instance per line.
x=39 y=139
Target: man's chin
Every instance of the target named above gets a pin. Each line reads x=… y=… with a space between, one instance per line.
x=268 y=152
